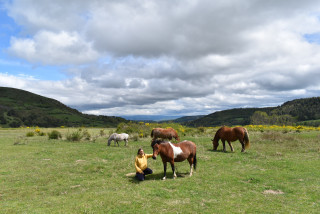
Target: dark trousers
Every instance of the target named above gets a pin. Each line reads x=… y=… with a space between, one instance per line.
x=141 y=176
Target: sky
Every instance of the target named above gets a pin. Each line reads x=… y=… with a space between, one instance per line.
x=169 y=57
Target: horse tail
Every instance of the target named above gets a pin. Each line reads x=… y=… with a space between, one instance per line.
x=152 y=132
x=195 y=161
x=246 y=139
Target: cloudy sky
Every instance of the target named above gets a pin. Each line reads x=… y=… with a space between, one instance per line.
x=169 y=57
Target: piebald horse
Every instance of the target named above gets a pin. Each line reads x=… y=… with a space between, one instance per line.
x=168 y=133
x=118 y=137
x=230 y=135
x=171 y=153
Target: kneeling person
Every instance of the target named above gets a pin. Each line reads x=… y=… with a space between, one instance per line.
x=141 y=165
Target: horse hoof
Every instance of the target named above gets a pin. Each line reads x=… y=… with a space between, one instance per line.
x=164 y=178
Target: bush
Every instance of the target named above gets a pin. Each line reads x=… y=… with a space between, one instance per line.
x=75 y=136
x=86 y=135
x=102 y=133
x=30 y=134
x=54 y=134
x=41 y=134
x=78 y=135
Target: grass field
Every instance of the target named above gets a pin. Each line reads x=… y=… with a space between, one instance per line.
x=280 y=173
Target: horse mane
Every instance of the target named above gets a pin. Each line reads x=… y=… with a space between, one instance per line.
x=157 y=141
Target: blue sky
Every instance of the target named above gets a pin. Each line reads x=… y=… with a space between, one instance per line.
x=19 y=67
x=161 y=58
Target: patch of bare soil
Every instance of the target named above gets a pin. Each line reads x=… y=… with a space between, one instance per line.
x=273 y=192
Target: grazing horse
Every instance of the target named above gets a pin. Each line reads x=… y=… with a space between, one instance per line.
x=230 y=135
x=171 y=153
x=168 y=133
x=118 y=137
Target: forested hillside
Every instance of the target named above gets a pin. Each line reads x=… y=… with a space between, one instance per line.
x=238 y=116
x=296 y=112
x=22 y=108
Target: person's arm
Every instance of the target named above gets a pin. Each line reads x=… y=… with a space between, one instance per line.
x=149 y=155
x=137 y=167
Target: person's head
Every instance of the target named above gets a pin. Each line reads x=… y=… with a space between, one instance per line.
x=140 y=151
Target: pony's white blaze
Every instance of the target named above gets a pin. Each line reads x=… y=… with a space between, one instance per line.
x=176 y=150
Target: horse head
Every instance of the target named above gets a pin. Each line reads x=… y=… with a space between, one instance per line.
x=215 y=144
x=155 y=151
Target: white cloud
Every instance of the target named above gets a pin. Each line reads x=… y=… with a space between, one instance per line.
x=53 y=49
x=169 y=57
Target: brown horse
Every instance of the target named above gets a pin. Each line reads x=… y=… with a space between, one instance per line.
x=168 y=133
x=230 y=135
x=171 y=153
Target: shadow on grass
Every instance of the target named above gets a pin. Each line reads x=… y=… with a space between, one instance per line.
x=156 y=176
x=219 y=151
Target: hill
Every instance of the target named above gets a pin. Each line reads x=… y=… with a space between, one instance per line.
x=304 y=111
x=237 y=116
x=186 y=119
x=22 y=108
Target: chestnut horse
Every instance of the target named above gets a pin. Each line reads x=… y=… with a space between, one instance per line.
x=168 y=133
x=171 y=153
x=230 y=135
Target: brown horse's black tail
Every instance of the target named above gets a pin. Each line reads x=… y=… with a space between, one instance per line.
x=195 y=162
x=152 y=133
x=246 y=139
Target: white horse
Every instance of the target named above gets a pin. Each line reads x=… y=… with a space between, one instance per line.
x=118 y=137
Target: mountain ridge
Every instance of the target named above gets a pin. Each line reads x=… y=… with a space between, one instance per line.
x=22 y=108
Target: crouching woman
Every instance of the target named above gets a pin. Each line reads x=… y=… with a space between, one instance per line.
x=141 y=165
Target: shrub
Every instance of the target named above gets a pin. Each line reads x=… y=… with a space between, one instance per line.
x=102 y=133
x=201 y=129
x=75 y=136
x=54 y=134
x=86 y=135
x=41 y=134
x=30 y=134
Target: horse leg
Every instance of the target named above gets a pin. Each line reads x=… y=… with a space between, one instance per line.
x=242 y=144
x=231 y=147
x=191 y=165
x=164 y=170
x=117 y=143
x=126 y=140
x=224 y=145
x=173 y=169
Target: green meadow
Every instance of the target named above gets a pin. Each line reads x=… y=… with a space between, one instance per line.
x=280 y=173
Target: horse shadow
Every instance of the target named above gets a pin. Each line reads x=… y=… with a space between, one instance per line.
x=156 y=177
x=219 y=151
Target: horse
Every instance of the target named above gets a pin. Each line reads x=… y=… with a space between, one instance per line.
x=118 y=137
x=168 y=133
x=230 y=135
x=171 y=153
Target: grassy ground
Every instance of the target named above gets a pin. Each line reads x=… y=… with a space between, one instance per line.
x=278 y=174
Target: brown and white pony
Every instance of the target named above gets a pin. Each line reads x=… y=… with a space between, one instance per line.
x=168 y=133
x=230 y=135
x=171 y=153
